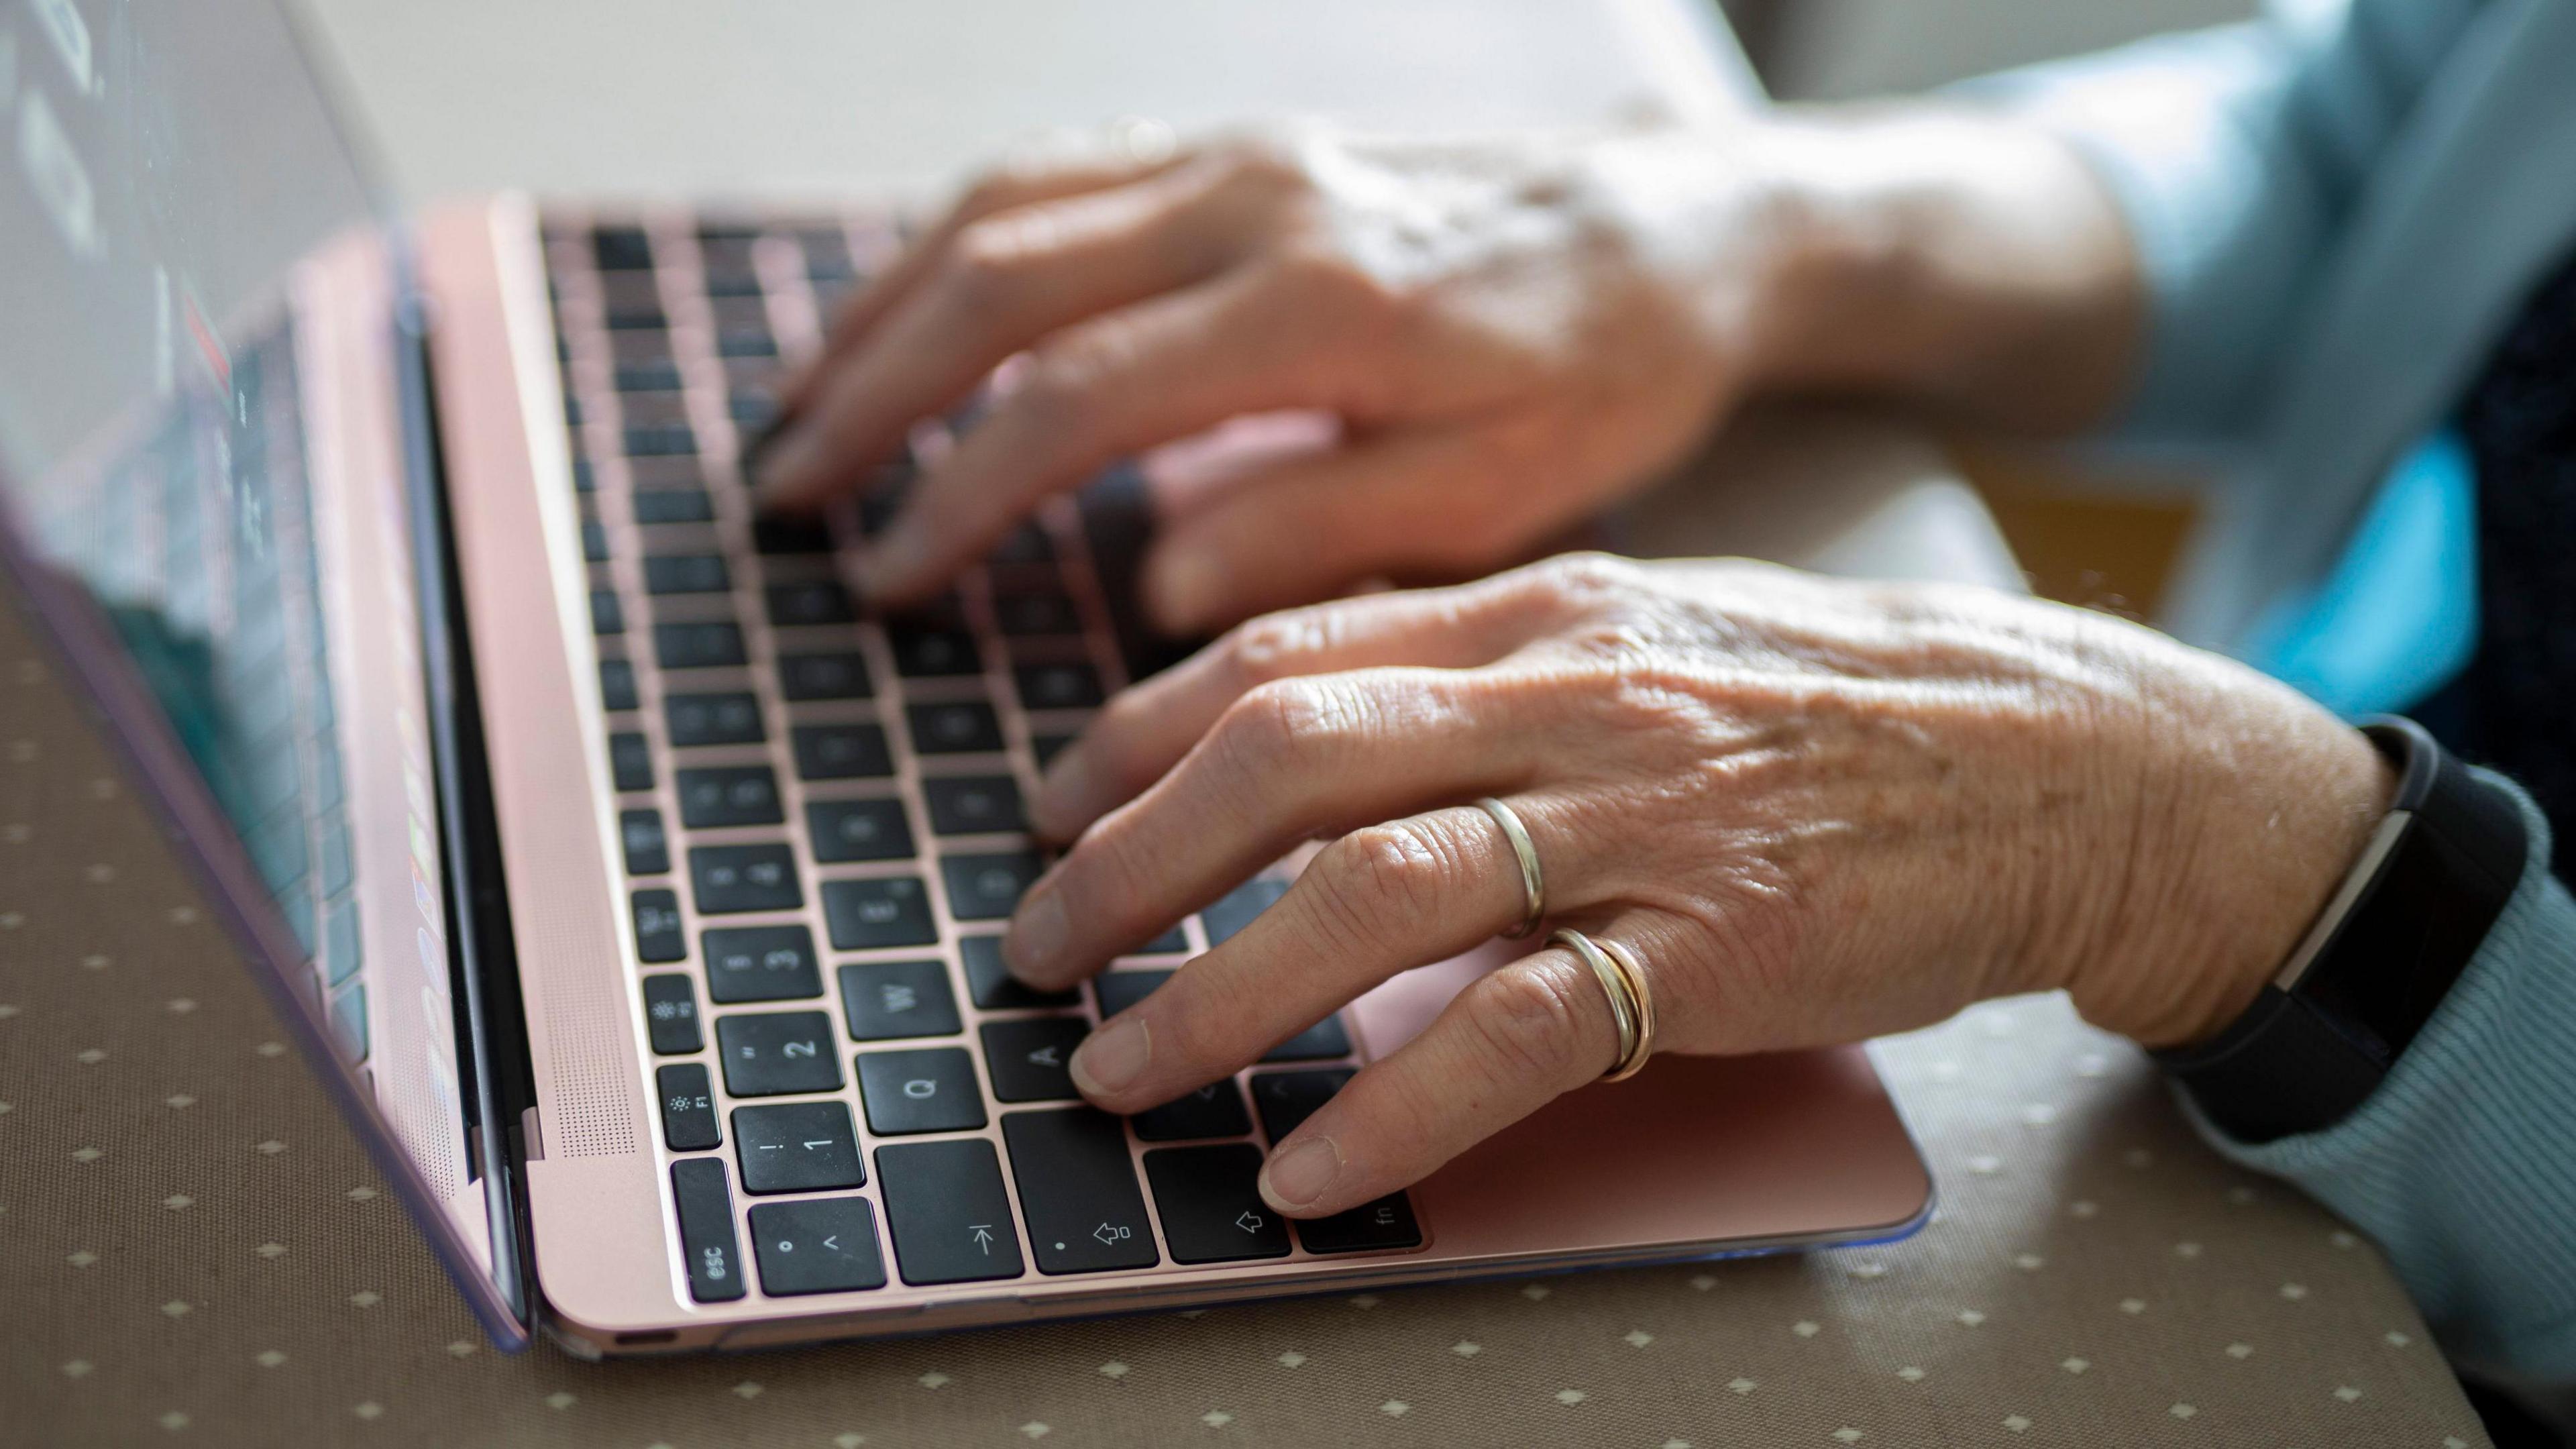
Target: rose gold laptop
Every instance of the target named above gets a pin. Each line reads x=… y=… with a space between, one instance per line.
x=635 y=888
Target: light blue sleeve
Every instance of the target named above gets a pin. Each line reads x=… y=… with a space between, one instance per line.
x=2463 y=1163
x=2237 y=154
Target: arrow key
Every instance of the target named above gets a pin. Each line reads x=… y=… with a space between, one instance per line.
x=1212 y=1212
x=822 y=1245
x=1027 y=1057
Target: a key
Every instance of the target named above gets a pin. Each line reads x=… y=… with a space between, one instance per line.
x=707 y=644
x=987 y=887
x=778 y=1054
x=686 y=573
x=640 y=833
x=1385 y=1223
x=956 y=728
x=1212 y=1211
x=841 y=674
x=688 y=1108
x=731 y=718
x=726 y=879
x=815 y=601
x=924 y=651
x=706 y=1230
x=926 y=1089
x=616 y=684
x=630 y=761
x=658 y=936
x=714 y=797
x=841 y=752
x=760 y=963
x=796 y=1147
x=885 y=1000
x=947 y=1211
x=1235 y=909
x=1057 y=686
x=671 y=1016
x=868 y=915
x=673 y=505
x=847 y=830
x=1027 y=1055
x=826 y=1245
x=1079 y=1191
x=972 y=804
x=1215 y=1110
x=1285 y=1099
x=991 y=984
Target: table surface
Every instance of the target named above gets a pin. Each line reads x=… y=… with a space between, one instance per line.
x=195 y=1248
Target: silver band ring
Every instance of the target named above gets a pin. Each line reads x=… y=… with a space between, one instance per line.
x=1533 y=886
x=1631 y=1009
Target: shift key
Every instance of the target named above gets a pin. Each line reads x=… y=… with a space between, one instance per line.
x=1078 y=1191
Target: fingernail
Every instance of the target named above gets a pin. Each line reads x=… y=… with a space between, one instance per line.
x=1181 y=588
x=1111 y=1057
x=1299 y=1174
x=1037 y=934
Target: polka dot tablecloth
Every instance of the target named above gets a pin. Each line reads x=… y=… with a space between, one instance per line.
x=195 y=1250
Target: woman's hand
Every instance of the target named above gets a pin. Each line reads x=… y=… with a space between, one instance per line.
x=1509 y=333
x=1813 y=810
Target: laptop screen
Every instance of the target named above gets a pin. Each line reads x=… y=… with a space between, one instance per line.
x=202 y=477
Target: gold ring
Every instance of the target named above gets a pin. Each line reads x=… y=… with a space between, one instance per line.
x=1642 y=1005
x=1533 y=887
x=1629 y=1007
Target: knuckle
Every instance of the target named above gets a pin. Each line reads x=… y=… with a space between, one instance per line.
x=1585 y=580
x=1528 y=1019
x=1382 y=875
x=1276 y=646
x=1285 y=720
x=983 y=266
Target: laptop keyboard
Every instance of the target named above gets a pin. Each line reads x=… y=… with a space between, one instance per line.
x=820 y=816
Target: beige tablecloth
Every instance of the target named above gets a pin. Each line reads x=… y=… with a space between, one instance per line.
x=194 y=1250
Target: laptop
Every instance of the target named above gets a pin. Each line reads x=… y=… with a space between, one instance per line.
x=635 y=887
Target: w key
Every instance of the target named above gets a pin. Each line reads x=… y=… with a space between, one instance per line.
x=1078 y=1191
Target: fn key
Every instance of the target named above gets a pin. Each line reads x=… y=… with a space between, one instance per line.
x=706 y=1230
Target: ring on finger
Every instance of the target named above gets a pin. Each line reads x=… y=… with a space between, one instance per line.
x=1533 y=884
x=1631 y=1008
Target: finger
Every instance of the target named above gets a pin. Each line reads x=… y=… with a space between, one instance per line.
x=1509 y=1044
x=1441 y=497
x=1379 y=900
x=1005 y=282
x=1290 y=762
x=1161 y=369
x=1148 y=727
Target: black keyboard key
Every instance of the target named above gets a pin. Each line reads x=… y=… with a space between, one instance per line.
x=701 y=644
x=1215 y=1110
x=607 y=616
x=1046 y=747
x=796 y=1147
x=828 y=1245
x=658 y=936
x=746 y=343
x=1078 y=1189
x=760 y=963
x=594 y=541
x=888 y=1000
x=1385 y=1223
x=714 y=797
x=778 y=1054
x=688 y=1108
x=991 y=984
x=869 y=915
x=972 y=804
x=753 y=412
x=673 y=505
x=621 y=249
x=1237 y=907
x=660 y=440
x=962 y=727
x=733 y=282
x=947 y=1211
x=584 y=480
x=987 y=887
x=926 y=1089
x=617 y=684
x=815 y=601
x=1026 y=1057
x=1211 y=1207
x=1026 y=544
x=1285 y=1099
x=841 y=674
x=647 y=851
x=671 y=1016
x=652 y=374
x=707 y=1238
x=713 y=719
x=686 y=573
x=1119 y=990
x=929 y=651
x=1170 y=943
x=848 y=830
x=630 y=761
x=1326 y=1040
x=725 y=879
x=1057 y=686
x=779 y=534
x=1023 y=615
x=841 y=752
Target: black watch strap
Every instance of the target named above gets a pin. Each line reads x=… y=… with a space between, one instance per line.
x=2406 y=923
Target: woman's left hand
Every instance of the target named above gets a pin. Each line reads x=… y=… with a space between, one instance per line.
x=1814 y=811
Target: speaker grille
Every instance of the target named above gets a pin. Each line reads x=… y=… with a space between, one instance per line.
x=590 y=1112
